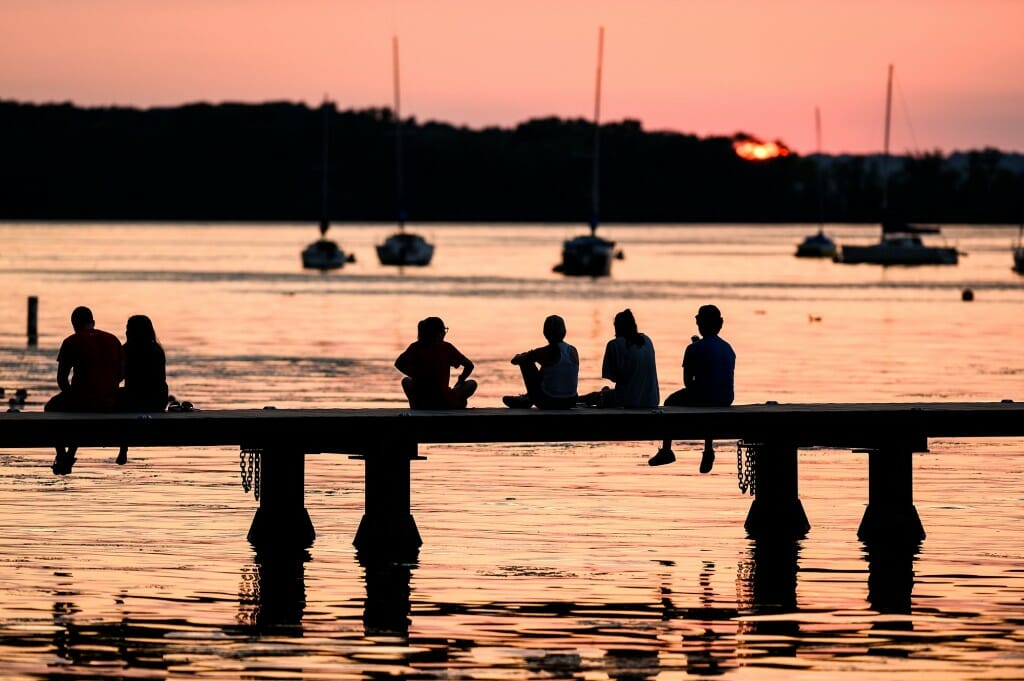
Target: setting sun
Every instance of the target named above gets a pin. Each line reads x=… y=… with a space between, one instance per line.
x=750 y=149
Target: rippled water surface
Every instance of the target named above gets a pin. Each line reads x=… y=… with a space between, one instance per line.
x=539 y=560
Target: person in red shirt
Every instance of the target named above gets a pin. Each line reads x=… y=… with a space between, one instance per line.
x=90 y=365
x=427 y=365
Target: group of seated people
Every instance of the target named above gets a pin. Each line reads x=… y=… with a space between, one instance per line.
x=91 y=365
x=551 y=372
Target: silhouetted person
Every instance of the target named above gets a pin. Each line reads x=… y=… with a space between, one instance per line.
x=629 y=364
x=145 y=372
x=550 y=372
x=709 y=365
x=427 y=365
x=89 y=367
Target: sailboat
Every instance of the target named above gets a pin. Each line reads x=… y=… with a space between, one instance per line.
x=589 y=255
x=901 y=241
x=402 y=247
x=818 y=245
x=325 y=254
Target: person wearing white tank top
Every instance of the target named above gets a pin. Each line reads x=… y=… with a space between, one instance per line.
x=550 y=372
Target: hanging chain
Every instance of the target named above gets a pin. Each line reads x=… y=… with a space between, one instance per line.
x=746 y=457
x=249 y=466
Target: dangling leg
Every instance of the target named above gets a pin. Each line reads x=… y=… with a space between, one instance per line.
x=122 y=456
x=707 y=460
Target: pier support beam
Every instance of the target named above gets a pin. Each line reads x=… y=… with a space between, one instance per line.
x=281 y=522
x=890 y=515
x=387 y=527
x=776 y=510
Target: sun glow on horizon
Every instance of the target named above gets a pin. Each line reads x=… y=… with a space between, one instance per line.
x=751 y=149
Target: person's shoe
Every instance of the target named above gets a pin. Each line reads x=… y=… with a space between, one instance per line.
x=663 y=457
x=517 y=401
x=707 y=461
x=122 y=457
x=62 y=465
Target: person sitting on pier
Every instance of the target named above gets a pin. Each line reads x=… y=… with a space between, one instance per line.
x=550 y=372
x=709 y=365
x=427 y=364
x=629 y=363
x=145 y=373
x=90 y=364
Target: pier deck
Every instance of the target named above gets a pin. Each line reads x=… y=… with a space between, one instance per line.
x=386 y=440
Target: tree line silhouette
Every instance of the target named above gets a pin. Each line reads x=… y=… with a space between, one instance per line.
x=263 y=162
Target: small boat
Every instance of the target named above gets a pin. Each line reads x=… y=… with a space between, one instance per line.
x=900 y=246
x=589 y=255
x=324 y=254
x=402 y=248
x=901 y=242
x=817 y=246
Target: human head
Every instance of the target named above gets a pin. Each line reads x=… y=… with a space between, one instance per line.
x=431 y=328
x=709 y=320
x=81 y=318
x=554 y=329
x=625 y=324
x=140 y=329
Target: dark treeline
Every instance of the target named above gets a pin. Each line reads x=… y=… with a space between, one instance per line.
x=263 y=162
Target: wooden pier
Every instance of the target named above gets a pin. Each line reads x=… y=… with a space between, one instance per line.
x=387 y=440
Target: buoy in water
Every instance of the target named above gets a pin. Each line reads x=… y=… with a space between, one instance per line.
x=967 y=295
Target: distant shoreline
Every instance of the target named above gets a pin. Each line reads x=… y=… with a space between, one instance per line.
x=264 y=163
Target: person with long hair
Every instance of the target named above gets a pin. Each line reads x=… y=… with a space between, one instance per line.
x=145 y=372
x=629 y=364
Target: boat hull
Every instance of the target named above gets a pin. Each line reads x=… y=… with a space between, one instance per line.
x=405 y=250
x=587 y=256
x=1018 y=260
x=323 y=254
x=884 y=254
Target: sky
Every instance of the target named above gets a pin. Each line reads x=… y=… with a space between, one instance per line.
x=705 y=67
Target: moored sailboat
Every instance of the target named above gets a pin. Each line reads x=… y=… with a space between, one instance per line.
x=325 y=254
x=819 y=245
x=402 y=247
x=589 y=255
x=901 y=243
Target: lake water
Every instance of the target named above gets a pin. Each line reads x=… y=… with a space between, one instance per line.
x=539 y=560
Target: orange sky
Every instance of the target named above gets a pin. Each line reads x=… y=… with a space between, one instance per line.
x=704 y=67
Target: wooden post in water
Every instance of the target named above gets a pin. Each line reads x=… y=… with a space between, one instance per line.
x=891 y=515
x=387 y=527
x=33 y=320
x=776 y=510
x=281 y=522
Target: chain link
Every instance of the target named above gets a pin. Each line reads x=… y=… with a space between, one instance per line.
x=249 y=466
x=746 y=458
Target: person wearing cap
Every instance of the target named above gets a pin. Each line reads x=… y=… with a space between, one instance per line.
x=90 y=365
x=628 y=363
x=427 y=365
x=709 y=365
x=550 y=372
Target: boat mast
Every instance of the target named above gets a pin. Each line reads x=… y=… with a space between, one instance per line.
x=399 y=187
x=821 y=188
x=885 y=149
x=595 y=179
x=325 y=222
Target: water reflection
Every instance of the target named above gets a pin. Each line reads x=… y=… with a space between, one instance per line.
x=766 y=590
x=388 y=590
x=891 y=581
x=272 y=594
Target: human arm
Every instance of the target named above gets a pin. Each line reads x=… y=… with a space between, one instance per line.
x=544 y=355
x=610 y=364
x=467 y=369
x=63 y=375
